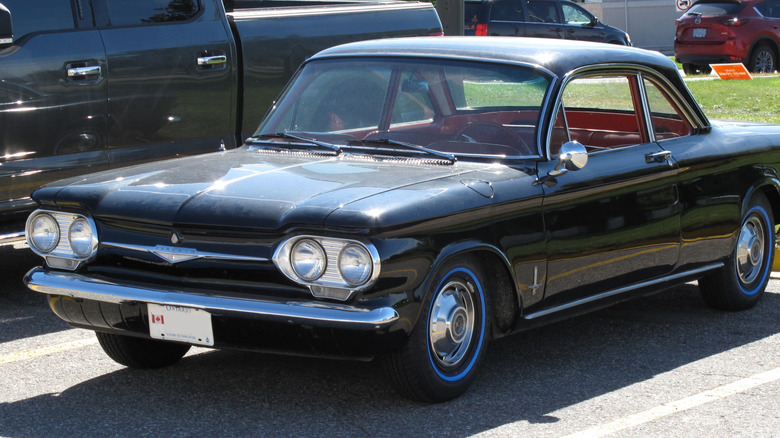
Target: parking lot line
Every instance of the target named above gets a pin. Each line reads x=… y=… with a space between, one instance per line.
x=44 y=351
x=693 y=401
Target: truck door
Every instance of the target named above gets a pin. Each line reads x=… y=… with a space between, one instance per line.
x=52 y=98
x=172 y=72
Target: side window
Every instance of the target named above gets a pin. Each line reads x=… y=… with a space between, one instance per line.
x=601 y=111
x=507 y=10
x=542 y=12
x=26 y=16
x=770 y=8
x=136 y=12
x=665 y=115
x=573 y=15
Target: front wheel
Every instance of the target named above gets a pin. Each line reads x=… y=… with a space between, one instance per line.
x=139 y=352
x=442 y=354
x=741 y=282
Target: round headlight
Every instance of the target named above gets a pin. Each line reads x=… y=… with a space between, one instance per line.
x=44 y=233
x=308 y=259
x=355 y=265
x=80 y=237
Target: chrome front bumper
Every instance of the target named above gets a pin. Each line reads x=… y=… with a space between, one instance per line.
x=310 y=313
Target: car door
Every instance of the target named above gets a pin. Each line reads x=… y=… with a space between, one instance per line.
x=543 y=20
x=52 y=98
x=506 y=18
x=615 y=224
x=172 y=67
x=581 y=24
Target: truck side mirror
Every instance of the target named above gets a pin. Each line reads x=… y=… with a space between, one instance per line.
x=6 y=30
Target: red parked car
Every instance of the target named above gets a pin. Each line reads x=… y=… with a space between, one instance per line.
x=724 y=31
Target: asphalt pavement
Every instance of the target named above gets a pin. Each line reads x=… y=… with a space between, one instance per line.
x=661 y=366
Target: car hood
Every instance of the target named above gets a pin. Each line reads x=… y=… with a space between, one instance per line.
x=246 y=188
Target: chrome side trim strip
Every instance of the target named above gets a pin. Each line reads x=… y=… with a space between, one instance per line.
x=311 y=313
x=622 y=290
x=175 y=254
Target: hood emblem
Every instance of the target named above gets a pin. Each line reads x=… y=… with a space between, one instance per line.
x=176 y=238
x=173 y=254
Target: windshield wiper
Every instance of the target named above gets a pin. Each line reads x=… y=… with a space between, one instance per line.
x=449 y=157
x=287 y=135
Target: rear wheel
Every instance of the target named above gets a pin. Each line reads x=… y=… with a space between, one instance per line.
x=741 y=282
x=139 y=352
x=442 y=354
x=763 y=59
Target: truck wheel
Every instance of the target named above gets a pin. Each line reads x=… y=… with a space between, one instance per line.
x=139 y=352
x=696 y=69
x=763 y=59
x=741 y=282
x=441 y=356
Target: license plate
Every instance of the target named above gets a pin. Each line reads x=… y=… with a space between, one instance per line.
x=699 y=32
x=182 y=324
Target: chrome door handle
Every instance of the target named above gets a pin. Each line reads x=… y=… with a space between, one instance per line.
x=658 y=157
x=212 y=60
x=80 y=72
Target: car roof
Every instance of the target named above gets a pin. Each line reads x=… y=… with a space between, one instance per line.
x=560 y=57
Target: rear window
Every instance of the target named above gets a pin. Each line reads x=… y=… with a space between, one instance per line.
x=27 y=18
x=715 y=9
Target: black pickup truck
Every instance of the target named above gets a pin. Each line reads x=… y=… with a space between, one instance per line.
x=93 y=85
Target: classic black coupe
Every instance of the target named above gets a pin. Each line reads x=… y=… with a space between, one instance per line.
x=412 y=199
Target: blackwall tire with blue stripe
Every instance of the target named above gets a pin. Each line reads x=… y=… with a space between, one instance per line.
x=444 y=350
x=740 y=284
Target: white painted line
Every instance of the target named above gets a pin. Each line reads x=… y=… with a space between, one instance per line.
x=44 y=351
x=693 y=401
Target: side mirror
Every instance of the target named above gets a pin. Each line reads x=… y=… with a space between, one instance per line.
x=572 y=156
x=6 y=30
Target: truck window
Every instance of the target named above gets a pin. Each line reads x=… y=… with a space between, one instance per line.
x=138 y=12
x=26 y=16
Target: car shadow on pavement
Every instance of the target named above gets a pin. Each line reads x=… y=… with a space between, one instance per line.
x=23 y=313
x=526 y=377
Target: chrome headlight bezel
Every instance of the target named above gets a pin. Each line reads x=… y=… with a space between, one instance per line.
x=71 y=227
x=332 y=282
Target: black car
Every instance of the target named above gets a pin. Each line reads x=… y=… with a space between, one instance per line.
x=412 y=199
x=540 y=19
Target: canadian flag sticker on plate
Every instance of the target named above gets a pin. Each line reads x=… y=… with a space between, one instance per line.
x=181 y=324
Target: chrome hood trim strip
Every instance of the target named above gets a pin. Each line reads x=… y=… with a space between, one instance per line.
x=312 y=312
x=176 y=254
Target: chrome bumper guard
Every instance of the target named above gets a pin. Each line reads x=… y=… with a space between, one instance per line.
x=312 y=313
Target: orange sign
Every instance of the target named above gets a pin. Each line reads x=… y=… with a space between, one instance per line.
x=731 y=71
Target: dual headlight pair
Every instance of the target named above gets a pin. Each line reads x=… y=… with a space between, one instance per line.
x=64 y=239
x=332 y=268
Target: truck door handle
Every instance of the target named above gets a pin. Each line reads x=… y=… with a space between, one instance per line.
x=212 y=60
x=80 y=72
x=658 y=157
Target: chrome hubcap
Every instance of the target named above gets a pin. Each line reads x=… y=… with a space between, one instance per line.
x=451 y=323
x=750 y=250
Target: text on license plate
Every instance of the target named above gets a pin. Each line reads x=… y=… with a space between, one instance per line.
x=182 y=324
x=699 y=32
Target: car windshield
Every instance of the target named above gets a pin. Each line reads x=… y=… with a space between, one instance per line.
x=412 y=105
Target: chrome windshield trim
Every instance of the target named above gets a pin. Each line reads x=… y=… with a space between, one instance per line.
x=311 y=312
x=177 y=254
x=622 y=290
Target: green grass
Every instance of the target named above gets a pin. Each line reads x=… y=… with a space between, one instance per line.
x=756 y=100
